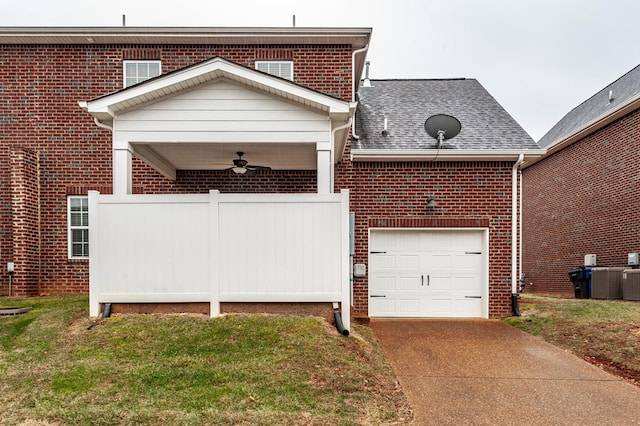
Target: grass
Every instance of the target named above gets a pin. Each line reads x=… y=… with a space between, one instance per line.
x=603 y=332
x=188 y=370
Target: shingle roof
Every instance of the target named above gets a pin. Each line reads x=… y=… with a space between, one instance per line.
x=622 y=90
x=406 y=104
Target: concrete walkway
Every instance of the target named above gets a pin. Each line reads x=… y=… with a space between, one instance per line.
x=484 y=372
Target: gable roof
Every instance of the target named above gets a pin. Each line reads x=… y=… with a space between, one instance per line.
x=597 y=111
x=406 y=104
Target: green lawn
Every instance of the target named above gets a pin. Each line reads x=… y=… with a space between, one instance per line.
x=188 y=370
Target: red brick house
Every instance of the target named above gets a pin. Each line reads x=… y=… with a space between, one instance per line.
x=580 y=197
x=217 y=167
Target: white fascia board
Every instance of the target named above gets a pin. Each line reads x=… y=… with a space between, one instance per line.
x=443 y=154
x=208 y=71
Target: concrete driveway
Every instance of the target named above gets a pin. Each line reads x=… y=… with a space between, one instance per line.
x=484 y=372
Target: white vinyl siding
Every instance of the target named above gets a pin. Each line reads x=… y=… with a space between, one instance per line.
x=282 y=69
x=138 y=71
x=223 y=112
x=78 y=227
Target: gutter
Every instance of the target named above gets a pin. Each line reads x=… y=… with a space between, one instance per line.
x=514 y=235
x=444 y=154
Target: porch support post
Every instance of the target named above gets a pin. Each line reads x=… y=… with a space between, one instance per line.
x=325 y=168
x=94 y=276
x=122 y=175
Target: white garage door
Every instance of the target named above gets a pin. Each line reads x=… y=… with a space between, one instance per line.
x=428 y=273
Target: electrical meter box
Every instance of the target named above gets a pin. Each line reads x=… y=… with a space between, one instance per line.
x=633 y=259
x=589 y=260
x=359 y=270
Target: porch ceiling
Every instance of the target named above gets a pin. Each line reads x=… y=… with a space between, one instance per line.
x=220 y=156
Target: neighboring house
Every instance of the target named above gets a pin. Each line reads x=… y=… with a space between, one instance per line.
x=581 y=196
x=214 y=170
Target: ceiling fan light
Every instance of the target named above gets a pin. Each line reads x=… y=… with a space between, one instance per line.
x=239 y=170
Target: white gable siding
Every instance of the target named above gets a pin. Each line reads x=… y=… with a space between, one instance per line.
x=223 y=112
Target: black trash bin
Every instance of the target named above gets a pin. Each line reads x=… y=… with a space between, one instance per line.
x=580 y=283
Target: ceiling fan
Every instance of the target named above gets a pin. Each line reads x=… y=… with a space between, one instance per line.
x=241 y=166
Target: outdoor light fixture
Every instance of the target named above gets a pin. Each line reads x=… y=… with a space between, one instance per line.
x=431 y=202
x=239 y=170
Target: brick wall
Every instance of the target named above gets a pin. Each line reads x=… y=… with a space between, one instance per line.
x=25 y=223
x=469 y=194
x=581 y=200
x=40 y=87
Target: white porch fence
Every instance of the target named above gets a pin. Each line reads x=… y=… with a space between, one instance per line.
x=219 y=248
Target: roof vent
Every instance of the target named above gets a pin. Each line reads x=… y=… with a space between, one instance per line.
x=611 y=98
x=385 y=132
x=367 y=82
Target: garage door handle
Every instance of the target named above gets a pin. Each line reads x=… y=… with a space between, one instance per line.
x=377 y=252
x=377 y=295
x=422 y=280
x=473 y=297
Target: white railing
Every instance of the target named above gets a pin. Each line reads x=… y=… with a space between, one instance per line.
x=219 y=248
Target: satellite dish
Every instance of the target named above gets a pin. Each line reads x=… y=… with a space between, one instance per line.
x=442 y=127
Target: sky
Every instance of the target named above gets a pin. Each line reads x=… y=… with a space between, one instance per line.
x=538 y=58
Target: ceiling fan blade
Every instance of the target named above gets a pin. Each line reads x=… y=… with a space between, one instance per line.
x=256 y=167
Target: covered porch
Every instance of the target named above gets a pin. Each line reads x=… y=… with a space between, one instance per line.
x=214 y=247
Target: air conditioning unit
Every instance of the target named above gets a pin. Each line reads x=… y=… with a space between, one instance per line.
x=606 y=283
x=631 y=284
x=589 y=260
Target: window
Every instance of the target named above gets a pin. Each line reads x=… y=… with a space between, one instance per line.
x=282 y=69
x=138 y=71
x=78 y=214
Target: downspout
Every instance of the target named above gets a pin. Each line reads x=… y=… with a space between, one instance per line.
x=353 y=80
x=338 y=320
x=353 y=71
x=514 y=236
x=333 y=143
x=520 y=250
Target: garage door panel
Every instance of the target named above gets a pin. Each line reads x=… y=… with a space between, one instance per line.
x=468 y=284
x=409 y=306
x=408 y=283
x=427 y=273
x=467 y=308
x=441 y=307
x=408 y=261
x=440 y=283
x=442 y=261
x=385 y=283
x=385 y=307
x=467 y=261
x=385 y=261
